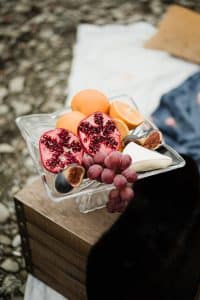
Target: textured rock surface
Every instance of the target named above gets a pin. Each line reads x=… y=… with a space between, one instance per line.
x=36 y=43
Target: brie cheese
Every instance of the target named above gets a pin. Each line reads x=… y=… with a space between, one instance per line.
x=144 y=159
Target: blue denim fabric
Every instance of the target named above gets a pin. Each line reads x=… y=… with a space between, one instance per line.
x=178 y=117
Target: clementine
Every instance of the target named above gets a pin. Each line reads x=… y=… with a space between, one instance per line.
x=126 y=112
x=122 y=127
x=90 y=101
x=70 y=121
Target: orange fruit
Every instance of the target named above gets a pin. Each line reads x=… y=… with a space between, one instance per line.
x=122 y=127
x=70 y=121
x=90 y=101
x=126 y=113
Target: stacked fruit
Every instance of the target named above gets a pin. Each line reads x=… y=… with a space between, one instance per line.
x=89 y=138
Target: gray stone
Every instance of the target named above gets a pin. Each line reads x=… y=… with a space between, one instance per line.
x=51 y=82
x=10 y=265
x=31 y=179
x=6 y=148
x=3 y=109
x=17 y=252
x=16 y=241
x=16 y=85
x=156 y=7
x=22 y=288
x=3 y=121
x=29 y=163
x=23 y=274
x=3 y=93
x=7 y=251
x=4 y=213
x=21 y=108
x=46 y=34
x=5 y=240
x=2 y=49
x=25 y=65
x=10 y=283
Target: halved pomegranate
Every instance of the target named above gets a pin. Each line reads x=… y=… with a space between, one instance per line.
x=59 y=148
x=98 y=133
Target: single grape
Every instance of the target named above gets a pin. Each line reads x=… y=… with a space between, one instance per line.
x=120 y=207
x=120 y=181
x=99 y=158
x=130 y=175
x=114 y=195
x=126 y=161
x=126 y=194
x=115 y=203
x=94 y=172
x=87 y=161
x=107 y=175
x=114 y=200
x=113 y=160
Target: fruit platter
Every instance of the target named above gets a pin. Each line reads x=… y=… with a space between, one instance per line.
x=95 y=150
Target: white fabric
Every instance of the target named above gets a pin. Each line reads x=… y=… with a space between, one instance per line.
x=111 y=58
x=37 y=290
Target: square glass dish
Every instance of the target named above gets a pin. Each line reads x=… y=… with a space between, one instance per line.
x=90 y=195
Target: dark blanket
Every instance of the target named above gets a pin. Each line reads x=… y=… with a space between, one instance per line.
x=153 y=250
x=178 y=117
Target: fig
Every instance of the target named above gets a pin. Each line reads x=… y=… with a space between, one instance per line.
x=61 y=184
x=152 y=139
x=74 y=174
x=69 y=178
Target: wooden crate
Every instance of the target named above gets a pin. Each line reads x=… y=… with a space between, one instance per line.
x=56 y=239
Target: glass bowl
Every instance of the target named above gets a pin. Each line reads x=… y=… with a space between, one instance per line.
x=90 y=195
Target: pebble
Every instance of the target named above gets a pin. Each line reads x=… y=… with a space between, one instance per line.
x=17 y=252
x=16 y=241
x=4 y=109
x=10 y=265
x=21 y=108
x=29 y=163
x=3 y=93
x=3 y=121
x=7 y=251
x=46 y=34
x=5 y=240
x=4 y=213
x=16 y=85
x=23 y=274
x=6 y=148
x=31 y=179
x=10 y=283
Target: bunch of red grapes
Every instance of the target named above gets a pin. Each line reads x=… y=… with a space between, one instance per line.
x=113 y=168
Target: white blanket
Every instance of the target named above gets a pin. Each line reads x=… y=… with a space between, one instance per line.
x=111 y=58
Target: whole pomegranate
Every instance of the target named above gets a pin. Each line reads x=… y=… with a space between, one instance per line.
x=59 y=148
x=98 y=133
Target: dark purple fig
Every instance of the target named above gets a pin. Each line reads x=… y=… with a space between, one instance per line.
x=69 y=178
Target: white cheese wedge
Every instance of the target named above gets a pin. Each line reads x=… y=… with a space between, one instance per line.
x=144 y=159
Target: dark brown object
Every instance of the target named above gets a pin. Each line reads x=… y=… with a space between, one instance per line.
x=56 y=239
x=178 y=34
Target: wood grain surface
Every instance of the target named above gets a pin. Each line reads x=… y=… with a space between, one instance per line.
x=62 y=250
x=63 y=220
x=41 y=254
x=72 y=285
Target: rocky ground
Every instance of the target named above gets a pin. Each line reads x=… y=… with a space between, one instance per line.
x=36 y=41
